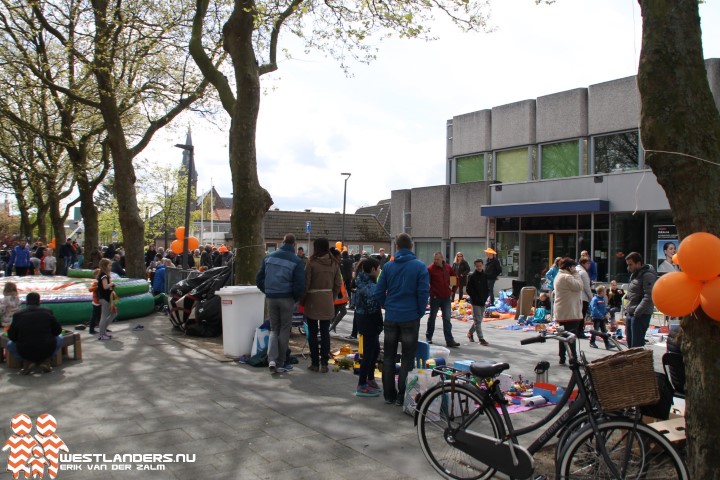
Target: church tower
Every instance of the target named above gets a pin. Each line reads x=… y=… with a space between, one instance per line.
x=185 y=165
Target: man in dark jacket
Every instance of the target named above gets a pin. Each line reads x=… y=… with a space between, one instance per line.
x=477 y=288
x=493 y=270
x=640 y=306
x=282 y=279
x=34 y=335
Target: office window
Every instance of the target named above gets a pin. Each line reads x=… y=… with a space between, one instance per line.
x=424 y=251
x=471 y=251
x=560 y=160
x=470 y=169
x=512 y=165
x=617 y=152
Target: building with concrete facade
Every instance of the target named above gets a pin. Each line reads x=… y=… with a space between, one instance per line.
x=538 y=179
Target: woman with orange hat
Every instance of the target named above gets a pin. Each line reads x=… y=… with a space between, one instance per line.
x=493 y=270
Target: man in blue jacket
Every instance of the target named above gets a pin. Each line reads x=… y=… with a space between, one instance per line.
x=402 y=289
x=282 y=279
x=20 y=259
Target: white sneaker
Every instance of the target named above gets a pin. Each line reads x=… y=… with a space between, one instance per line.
x=273 y=369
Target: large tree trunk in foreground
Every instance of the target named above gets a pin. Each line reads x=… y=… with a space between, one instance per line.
x=250 y=200
x=679 y=115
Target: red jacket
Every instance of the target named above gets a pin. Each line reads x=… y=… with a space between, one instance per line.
x=440 y=280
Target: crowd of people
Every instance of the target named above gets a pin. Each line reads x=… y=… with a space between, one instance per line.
x=326 y=282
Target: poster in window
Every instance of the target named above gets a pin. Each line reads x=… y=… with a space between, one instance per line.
x=667 y=245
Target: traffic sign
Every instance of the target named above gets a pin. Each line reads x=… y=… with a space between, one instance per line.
x=307 y=227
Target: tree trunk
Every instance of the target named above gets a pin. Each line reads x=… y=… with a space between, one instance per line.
x=679 y=116
x=91 y=225
x=131 y=223
x=250 y=200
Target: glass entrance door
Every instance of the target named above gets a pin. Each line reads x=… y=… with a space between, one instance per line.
x=540 y=251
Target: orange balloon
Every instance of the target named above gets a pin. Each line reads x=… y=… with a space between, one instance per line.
x=177 y=246
x=338 y=245
x=676 y=294
x=699 y=255
x=675 y=260
x=193 y=243
x=710 y=299
x=180 y=233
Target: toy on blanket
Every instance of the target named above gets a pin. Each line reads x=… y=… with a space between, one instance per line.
x=502 y=304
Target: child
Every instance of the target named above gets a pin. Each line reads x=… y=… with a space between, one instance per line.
x=95 y=303
x=477 y=288
x=543 y=301
x=370 y=324
x=598 y=312
x=9 y=304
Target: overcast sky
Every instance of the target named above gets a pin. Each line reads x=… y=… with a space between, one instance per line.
x=386 y=124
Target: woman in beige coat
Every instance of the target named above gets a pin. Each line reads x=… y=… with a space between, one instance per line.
x=567 y=307
x=322 y=285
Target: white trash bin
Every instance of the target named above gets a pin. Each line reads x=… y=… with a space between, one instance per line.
x=243 y=310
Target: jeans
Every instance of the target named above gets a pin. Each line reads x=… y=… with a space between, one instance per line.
x=319 y=357
x=477 y=311
x=406 y=334
x=599 y=324
x=12 y=348
x=572 y=327
x=636 y=326
x=491 y=290
x=442 y=304
x=371 y=351
x=280 y=311
x=106 y=315
x=340 y=312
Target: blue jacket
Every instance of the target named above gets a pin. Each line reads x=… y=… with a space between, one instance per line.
x=365 y=304
x=403 y=288
x=282 y=274
x=158 y=283
x=550 y=275
x=598 y=307
x=20 y=256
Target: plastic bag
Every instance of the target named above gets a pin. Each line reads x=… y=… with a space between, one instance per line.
x=417 y=384
x=260 y=344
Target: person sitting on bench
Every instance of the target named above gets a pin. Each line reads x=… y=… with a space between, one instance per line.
x=34 y=335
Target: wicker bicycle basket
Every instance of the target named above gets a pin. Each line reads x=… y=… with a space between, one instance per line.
x=625 y=379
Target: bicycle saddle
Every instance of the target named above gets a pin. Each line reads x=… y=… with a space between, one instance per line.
x=487 y=368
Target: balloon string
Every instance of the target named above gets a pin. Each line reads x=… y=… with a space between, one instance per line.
x=684 y=155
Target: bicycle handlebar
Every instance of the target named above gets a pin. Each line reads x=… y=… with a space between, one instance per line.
x=565 y=337
x=528 y=341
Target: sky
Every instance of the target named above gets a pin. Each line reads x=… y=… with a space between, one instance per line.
x=386 y=123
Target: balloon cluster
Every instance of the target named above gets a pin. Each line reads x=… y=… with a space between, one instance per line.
x=177 y=245
x=681 y=293
x=339 y=246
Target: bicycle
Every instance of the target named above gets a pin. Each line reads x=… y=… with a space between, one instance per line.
x=464 y=437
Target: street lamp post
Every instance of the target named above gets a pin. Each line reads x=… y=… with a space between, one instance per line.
x=191 y=167
x=342 y=236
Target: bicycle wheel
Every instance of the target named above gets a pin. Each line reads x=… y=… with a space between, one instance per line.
x=441 y=412
x=636 y=450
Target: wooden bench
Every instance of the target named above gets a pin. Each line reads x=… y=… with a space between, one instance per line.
x=70 y=339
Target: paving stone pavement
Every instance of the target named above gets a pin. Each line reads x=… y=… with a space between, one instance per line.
x=145 y=392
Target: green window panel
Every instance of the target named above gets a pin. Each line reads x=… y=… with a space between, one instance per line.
x=560 y=160
x=512 y=165
x=470 y=169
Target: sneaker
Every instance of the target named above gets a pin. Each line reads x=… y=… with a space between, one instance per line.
x=593 y=345
x=314 y=368
x=483 y=342
x=453 y=344
x=390 y=401
x=282 y=370
x=470 y=337
x=46 y=367
x=138 y=327
x=324 y=369
x=105 y=337
x=287 y=367
x=365 y=391
x=351 y=337
x=374 y=385
x=399 y=401
x=428 y=340
x=272 y=367
x=561 y=362
x=26 y=369
x=93 y=332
